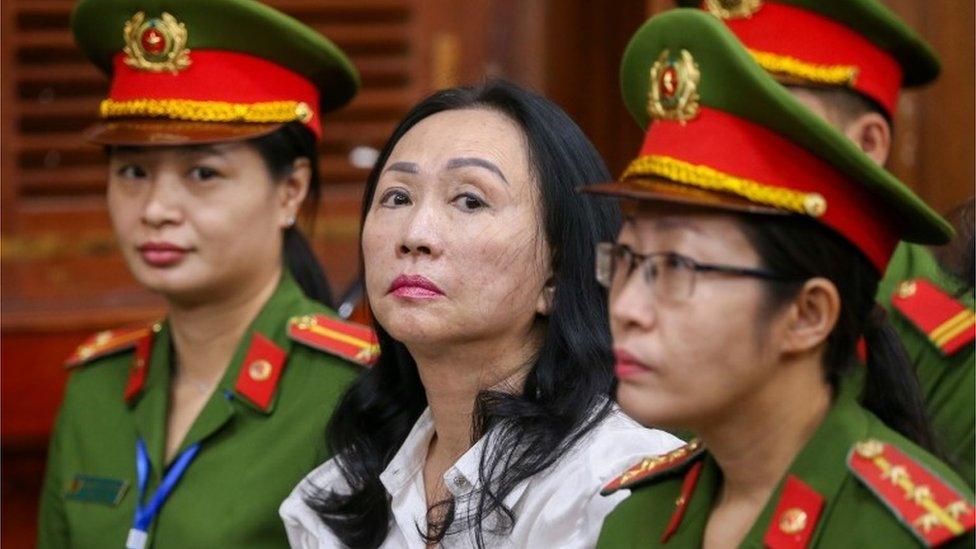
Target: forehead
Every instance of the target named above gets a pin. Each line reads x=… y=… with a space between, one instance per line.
x=646 y=221
x=472 y=132
x=220 y=149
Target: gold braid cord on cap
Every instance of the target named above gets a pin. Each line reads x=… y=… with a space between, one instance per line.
x=709 y=179
x=207 y=111
x=834 y=75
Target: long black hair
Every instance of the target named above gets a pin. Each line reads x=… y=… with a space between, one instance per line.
x=566 y=392
x=279 y=150
x=800 y=249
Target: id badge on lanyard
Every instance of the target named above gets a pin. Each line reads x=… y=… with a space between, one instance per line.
x=146 y=512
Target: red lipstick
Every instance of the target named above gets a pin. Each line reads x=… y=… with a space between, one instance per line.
x=161 y=254
x=414 y=287
x=627 y=365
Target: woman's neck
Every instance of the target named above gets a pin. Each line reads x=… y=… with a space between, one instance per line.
x=205 y=335
x=755 y=443
x=453 y=377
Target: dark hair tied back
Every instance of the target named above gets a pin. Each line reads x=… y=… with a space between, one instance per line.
x=800 y=249
x=279 y=150
x=891 y=385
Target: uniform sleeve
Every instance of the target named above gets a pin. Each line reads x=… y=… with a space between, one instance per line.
x=52 y=529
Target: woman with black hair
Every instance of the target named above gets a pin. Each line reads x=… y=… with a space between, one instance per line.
x=486 y=421
x=741 y=283
x=192 y=432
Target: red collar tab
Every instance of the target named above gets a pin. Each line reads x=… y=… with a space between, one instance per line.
x=348 y=340
x=801 y=45
x=796 y=516
x=932 y=510
x=213 y=86
x=260 y=371
x=140 y=365
x=946 y=322
x=681 y=504
x=653 y=467
x=719 y=151
x=104 y=344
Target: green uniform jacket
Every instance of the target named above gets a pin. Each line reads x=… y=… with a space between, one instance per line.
x=250 y=458
x=948 y=382
x=851 y=516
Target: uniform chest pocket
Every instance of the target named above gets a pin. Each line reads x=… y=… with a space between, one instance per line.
x=92 y=489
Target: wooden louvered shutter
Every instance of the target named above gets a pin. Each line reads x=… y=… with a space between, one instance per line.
x=58 y=250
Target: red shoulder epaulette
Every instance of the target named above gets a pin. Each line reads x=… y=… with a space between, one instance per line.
x=348 y=340
x=105 y=343
x=651 y=467
x=948 y=324
x=931 y=509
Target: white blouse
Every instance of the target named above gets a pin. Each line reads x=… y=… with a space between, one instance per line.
x=559 y=507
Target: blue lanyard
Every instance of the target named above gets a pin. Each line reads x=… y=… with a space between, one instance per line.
x=146 y=513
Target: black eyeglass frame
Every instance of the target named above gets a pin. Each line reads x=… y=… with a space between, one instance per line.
x=637 y=260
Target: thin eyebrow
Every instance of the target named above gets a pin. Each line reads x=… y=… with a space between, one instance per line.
x=406 y=167
x=675 y=223
x=467 y=161
x=201 y=150
x=182 y=150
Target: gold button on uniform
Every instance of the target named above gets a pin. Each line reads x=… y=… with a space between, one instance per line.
x=259 y=370
x=793 y=521
x=906 y=289
x=869 y=449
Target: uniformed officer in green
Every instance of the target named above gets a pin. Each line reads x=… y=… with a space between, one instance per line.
x=745 y=273
x=931 y=305
x=848 y=60
x=191 y=432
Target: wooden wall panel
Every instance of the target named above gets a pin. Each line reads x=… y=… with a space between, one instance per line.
x=936 y=126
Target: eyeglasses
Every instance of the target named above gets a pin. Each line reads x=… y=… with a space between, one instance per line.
x=670 y=275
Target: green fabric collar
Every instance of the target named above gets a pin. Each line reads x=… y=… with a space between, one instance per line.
x=149 y=408
x=846 y=423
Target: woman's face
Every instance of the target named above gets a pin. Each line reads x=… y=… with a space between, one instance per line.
x=197 y=222
x=687 y=363
x=452 y=243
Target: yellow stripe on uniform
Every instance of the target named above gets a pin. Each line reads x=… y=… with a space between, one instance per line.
x=345 y=338
x=120 y=340
x=951 y=328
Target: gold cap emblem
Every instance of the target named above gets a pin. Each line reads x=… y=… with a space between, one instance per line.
x=730 y=9
x=673 y=87
x=156 y=44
